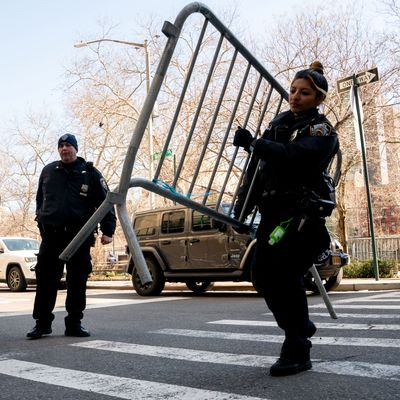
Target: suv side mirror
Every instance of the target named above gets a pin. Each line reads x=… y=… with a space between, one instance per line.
x=218 y=225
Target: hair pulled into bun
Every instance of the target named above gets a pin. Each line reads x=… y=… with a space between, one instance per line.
x=317 y=67
x=315 y=74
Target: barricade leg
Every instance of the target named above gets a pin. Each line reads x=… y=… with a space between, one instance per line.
x=323 y=292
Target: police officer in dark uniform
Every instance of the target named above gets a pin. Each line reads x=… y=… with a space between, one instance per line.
x=69 y=192
x=292 y=194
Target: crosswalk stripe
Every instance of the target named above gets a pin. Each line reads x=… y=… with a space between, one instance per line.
x=246 y=360
x=334 y=341
x=391 y=296
x=324 y=325
x=114 y=386
x=349 y=315
x=102 y=303
x=350 y=368
x=361 y=369
x=14 y=300
x=359 y=306
x=369 y=300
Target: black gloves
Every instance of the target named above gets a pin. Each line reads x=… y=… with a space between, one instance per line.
x=242 y=138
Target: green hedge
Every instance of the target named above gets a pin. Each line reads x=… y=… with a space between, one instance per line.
x=365 y=269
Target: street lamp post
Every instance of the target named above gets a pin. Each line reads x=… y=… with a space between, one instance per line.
x=145 y=47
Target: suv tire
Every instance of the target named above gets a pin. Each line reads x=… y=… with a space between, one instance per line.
x=330 y=284
x=199 y=287
x=16 y=279
x=156 y=286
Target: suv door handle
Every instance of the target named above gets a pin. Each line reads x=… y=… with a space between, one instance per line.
x=165 y=242
x=194 y=240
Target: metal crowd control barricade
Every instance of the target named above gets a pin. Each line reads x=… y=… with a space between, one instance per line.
x=235 y=90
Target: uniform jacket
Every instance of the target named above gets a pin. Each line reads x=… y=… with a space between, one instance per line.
x=68 y=195
x=292 y=155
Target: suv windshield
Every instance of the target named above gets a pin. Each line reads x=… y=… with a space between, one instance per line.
x=21 y=244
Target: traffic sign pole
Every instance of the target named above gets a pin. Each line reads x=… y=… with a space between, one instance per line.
x=355 y=87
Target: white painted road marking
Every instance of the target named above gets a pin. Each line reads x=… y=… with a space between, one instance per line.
x=334 y=341
x=387 y=296
x=362 y=369
x=348 y=368
x=102 y=303
x=358 y=306
x=109 y=385
x=323 y=325
x=349 y=315
x=246 y=360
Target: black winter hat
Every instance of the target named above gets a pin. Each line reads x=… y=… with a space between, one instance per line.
x=69 y=138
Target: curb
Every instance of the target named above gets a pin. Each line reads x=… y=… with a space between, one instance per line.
x=345 y=285
x=382 y=284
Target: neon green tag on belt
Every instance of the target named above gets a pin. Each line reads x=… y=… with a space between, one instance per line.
x=279 y=232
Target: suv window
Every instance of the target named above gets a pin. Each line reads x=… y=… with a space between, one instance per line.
x=21 y=244
x=173 y=222
x=146 y=225
x=200 y=222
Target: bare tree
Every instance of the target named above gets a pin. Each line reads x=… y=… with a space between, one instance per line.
x=30 y=146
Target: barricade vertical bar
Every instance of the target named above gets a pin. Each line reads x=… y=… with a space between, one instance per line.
x=241 y=218
x=180 y=102
x=264 y=110
x=212 y=124
x=248 y=158
x=248 y=115
x=244 y=80
x=253 y=99
x=249 y=110
x=199 y=106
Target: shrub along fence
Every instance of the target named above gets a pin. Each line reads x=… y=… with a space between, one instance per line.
x=360 y=251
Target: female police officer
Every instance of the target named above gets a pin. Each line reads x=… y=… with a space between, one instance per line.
x=291 y=195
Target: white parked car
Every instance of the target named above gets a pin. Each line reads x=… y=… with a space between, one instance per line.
x=17 y=262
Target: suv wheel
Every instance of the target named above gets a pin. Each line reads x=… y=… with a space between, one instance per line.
x=16 y=279
x=330 y=284
x=199 y=287
x=156 y=286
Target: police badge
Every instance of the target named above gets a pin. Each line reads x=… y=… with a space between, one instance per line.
x=84 y=190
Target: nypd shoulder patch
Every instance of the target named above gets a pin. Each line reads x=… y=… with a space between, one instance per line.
x=320 y=130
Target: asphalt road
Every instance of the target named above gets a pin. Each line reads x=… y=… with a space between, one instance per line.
x=215 y=346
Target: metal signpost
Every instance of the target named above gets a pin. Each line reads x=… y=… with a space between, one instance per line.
x=353 y=83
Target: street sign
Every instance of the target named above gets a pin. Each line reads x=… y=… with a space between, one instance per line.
x=168 y=153
x=363 y=78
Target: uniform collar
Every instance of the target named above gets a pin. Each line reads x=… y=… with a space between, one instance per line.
x=70 y=166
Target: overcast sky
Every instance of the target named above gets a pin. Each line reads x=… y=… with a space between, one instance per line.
x=38 y=37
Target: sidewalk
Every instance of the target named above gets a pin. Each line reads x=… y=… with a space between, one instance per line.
x=345 y=285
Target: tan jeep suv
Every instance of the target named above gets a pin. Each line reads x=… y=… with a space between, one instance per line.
x=183 y=245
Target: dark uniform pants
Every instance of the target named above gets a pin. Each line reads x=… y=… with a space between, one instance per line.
x=279 y=269
x=49 y=270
